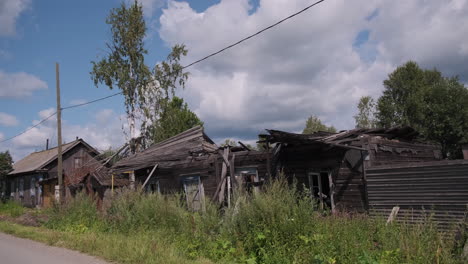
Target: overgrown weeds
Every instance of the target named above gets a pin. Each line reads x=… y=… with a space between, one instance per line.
x=11 y=208
x=277 y=225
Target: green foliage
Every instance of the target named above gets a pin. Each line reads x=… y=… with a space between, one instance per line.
x=175 y=119
x=434 y=105
x=314 y=124
x=11 y=208
x=229 y=142
x=146 y=91
x=366 y=113
x=76 y=215
x=124 y=67
x=6 y=165
x=277 y=225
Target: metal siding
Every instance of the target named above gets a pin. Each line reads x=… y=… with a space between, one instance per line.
x=435 y=189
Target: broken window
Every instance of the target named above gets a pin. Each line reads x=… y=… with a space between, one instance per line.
x=153 y=186
x=319 y=185
x=248 y=177
x=194 y=192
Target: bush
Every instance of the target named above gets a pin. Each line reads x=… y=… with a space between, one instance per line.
x=78 y=215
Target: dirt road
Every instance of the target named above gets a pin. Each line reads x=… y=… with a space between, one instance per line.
x=15 y=250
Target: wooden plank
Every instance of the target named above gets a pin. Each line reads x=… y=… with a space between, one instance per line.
x=149 y=176
x=224 y=174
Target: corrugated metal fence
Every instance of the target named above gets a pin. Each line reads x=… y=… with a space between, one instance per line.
x=437 y=189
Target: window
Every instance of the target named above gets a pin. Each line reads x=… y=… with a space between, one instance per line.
x=12 y=189
x=21 y=187
x=78 y=162
x=319 y=185
x=194 y=192
x=33 y=187
x=153 y=186
x=248 y=177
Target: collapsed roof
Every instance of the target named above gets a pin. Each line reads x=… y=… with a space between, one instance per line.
x=343 y=139
x=171 y=152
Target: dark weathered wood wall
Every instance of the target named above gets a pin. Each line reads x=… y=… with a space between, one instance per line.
x=439 y=188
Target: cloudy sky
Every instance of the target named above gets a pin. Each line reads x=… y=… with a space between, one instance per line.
x=320 y=62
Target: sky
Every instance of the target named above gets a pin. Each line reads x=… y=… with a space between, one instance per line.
x=318 y=63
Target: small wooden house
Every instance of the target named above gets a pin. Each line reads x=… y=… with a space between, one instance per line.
x=33 y=179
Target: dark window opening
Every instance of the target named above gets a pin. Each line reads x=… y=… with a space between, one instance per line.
x=319 y=186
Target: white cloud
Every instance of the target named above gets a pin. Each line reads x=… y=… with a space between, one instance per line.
x=309 y=64
x=104 y=130
x=8 y=120
x=9 y=13
x=19 y=84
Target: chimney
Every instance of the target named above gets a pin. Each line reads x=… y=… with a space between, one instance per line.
x=76 y=137
x=465 y=151
x=47 y=144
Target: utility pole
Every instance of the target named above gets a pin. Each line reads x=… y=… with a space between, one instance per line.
x=59 y=138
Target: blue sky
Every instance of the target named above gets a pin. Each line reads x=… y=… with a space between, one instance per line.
x=320 y=62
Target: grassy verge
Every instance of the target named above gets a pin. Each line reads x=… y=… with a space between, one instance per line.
x=277 y=225
x=138 y=248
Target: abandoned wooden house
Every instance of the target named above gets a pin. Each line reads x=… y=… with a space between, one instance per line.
x=192 y=163
x=330 y=165
x=33 y=179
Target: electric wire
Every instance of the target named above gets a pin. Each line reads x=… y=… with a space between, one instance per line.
x=184 y=67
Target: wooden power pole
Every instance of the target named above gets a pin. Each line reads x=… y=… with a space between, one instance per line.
x=59 y=138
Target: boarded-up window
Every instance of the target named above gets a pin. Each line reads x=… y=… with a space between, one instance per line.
x=194 y=192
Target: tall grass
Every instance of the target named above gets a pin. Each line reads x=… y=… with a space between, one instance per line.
x=277 y=225
x=11 y=208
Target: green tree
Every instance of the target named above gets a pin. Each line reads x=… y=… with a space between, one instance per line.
x=314 y=124
x=366 y=113
x=434 y=105
x=6 y=165
x=146 y=91
x=175 y=119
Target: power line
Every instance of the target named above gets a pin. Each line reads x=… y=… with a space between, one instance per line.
x=93 y=101
x=184 y=67
x=217 y=52
x=40 y=122
x=253 y=35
